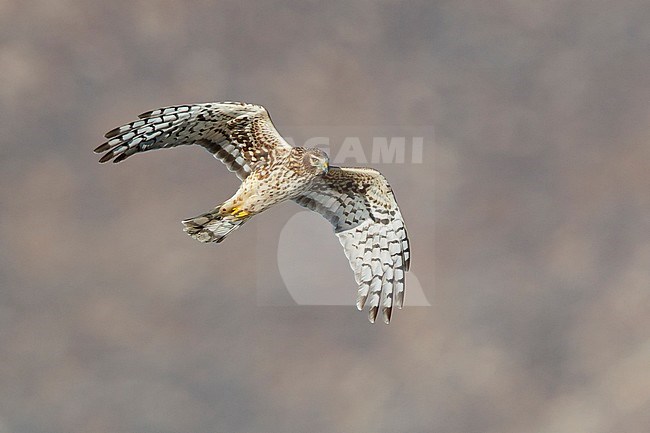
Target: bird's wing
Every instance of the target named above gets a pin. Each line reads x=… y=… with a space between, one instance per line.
x=238 y=134
x=360 y=204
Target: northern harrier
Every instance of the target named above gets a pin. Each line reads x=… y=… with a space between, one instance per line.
x=358 y=202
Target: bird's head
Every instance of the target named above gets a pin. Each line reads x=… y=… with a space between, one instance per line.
x=318 y=160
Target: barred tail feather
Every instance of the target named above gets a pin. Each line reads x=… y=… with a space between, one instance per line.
x=211 y=226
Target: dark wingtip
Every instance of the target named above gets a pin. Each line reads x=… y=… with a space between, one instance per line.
x=106 y=157
x=146 y=114
x=387 y=313
x=372 y=314
x=113 y=132
x=102 y=148
x=120 y=157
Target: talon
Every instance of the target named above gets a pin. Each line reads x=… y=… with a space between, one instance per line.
x=242 y=214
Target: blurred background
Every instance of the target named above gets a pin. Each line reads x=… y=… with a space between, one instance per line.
x=529 y=218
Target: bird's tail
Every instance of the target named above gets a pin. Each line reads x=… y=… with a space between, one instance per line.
x=213 y=226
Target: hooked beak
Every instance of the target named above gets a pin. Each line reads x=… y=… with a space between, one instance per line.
x=326 y=167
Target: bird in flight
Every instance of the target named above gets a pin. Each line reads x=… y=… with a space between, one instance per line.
x=358 y=202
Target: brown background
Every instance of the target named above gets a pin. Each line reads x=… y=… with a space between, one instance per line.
x=113 y=320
